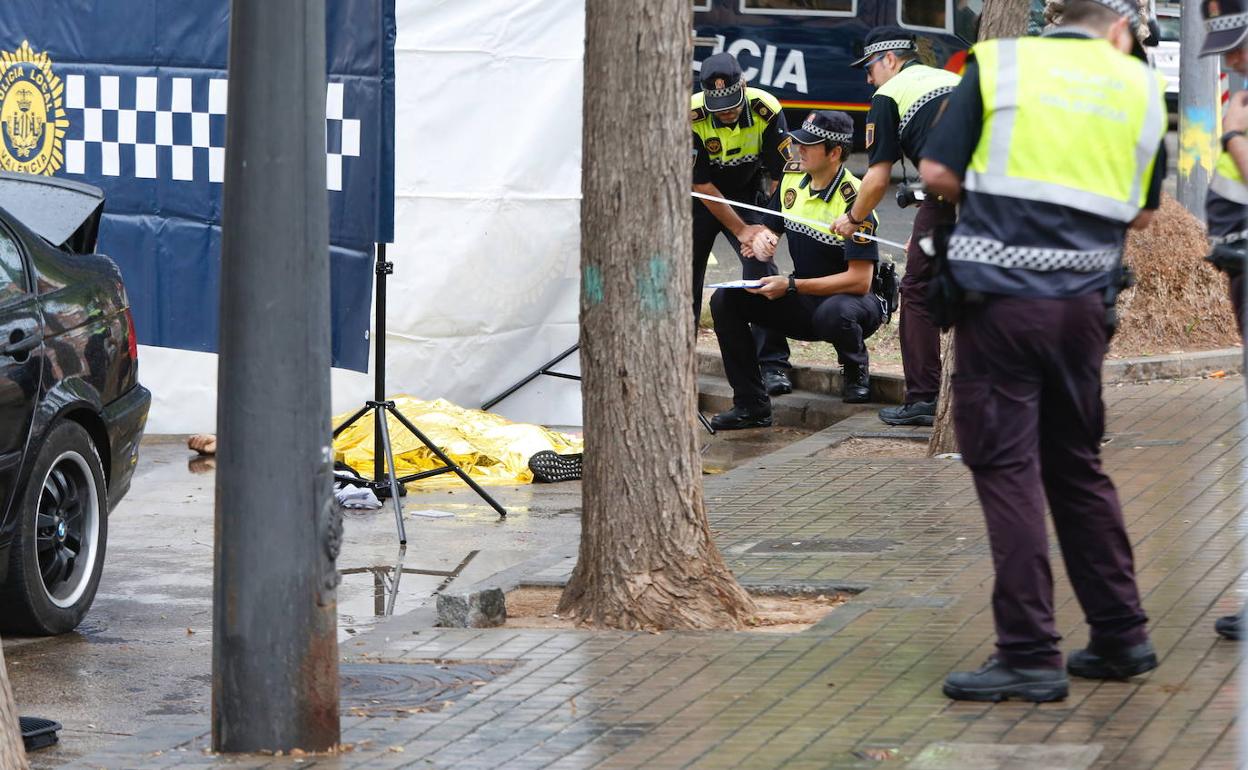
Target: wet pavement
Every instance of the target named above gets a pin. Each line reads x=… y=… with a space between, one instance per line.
x=144 y=652
x=860 y=688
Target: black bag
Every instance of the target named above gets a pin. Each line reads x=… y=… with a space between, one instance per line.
x=1120 y=278
x=885 y=286
x=1229 y=257
x=946 y=300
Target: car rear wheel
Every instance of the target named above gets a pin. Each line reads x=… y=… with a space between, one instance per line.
x=58 y=554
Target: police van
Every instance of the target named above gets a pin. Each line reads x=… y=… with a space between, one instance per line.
x=800 y=50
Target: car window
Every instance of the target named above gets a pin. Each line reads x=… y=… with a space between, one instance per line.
x=1169 y=26
x=701 y=5
x=930 y=14
x=12 y=270
x=800 y=7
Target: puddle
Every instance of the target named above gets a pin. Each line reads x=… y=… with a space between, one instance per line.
x=369 y=593
x=728 y=449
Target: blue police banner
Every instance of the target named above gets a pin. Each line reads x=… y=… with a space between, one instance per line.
x=130 y=96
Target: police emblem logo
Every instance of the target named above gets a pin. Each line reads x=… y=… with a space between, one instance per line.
x=32 y=113
x=713 y=146
x=790 y=197
x=848 y=192
x=870 y=134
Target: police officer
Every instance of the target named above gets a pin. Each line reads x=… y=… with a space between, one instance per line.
x=738 y=142
x=1053 y=145
x=908 y=97
x=829 y=294
x=1226 y=205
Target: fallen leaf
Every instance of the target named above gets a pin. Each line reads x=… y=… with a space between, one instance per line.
x=1219 y=374
x=190 y=632
x=396 y=749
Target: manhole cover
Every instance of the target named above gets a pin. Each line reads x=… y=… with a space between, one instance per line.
x=822 y=545
x=372 y=689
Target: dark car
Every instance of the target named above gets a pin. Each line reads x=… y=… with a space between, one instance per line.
x=71 y=408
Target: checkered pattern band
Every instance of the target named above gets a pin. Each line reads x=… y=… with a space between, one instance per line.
x=888 y=45
x=922 y=101
x=185 y=142
x=1223 y=23
x=810 y=232
x=824 y=133
x=992 y=252
x=739 y=160
x=1126 y=8
x=1222 y=240
x=719 y=93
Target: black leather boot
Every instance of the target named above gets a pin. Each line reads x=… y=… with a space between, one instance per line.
x=1116 y=664
x=855 y=384
x=739 y=417
x=996 y=681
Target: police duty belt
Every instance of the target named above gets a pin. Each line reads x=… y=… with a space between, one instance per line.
x=793 y=218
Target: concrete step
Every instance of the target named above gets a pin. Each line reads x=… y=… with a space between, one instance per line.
x=819 y=380
x=800 y=409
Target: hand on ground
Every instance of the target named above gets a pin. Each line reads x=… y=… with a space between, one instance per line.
x=203 y=443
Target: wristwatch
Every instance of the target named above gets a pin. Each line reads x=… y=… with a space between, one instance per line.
x=792 y=284
x=1227 y=137
x=849 y=212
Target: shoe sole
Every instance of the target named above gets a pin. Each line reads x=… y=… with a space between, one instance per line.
x=1030 y=693
x=1112 y=671
x=923 y=419
x=753 y=424
x=845 y=400
x=779 y=391
x=549 y=467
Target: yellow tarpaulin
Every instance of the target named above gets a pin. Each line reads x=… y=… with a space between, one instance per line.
x=492 y=449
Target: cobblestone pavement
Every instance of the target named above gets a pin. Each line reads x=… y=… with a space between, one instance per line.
x=862 y=688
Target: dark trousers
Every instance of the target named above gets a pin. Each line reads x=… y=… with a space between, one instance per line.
x=1236 y=288
x=845 y=320
x=1029 y=420
x=920 y=338
x=772 y=348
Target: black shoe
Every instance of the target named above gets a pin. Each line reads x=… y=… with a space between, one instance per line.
x=996 y=681
x=776 y=382
x=549 y=467
x=1230 y=627
x=1122 y=664
x=855 y=384
x=739 y=417
x=918 y=413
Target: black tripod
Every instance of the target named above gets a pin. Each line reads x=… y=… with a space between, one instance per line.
x=547 y=369
x=384 y=483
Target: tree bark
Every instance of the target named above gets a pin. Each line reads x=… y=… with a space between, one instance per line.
x=943 y=440
x=1004 y=18
x=647 y=560
x=12 y=752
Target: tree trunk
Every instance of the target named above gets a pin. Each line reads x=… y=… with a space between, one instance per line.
x=647 y=560
x=943 y=440
x=12 y=752
x=1004 y=18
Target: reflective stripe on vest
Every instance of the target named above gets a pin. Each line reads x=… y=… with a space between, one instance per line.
x=1227 y=181
x=1047 y=102
x=730 y=146
x=914 y=87
x=797 y=200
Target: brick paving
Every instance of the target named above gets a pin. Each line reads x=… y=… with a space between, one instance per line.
x=866 y=679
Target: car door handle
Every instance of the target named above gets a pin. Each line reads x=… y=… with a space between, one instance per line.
x=21 y=345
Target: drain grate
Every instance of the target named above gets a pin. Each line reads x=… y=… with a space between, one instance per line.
x=376 y=689
x=822 y=545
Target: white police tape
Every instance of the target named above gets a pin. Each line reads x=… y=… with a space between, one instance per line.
x=792 y=218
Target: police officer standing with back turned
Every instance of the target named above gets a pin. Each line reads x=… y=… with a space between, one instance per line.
x=1226 y=205
x=908 y=97
x=1054 y=146
x=738 y=135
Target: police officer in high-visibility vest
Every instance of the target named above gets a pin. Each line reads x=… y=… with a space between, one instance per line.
x=1054 y=147
x=739 y=146
x=829 y=294
x=1226 y=205
x=908 y=97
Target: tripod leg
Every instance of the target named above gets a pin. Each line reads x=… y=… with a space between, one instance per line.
x=351 y=420
x=488 y=405
x=392 y=475
x=448 y=462
x=705 y=423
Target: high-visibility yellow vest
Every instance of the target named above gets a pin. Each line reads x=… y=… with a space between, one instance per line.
x=914 y=86
x=798 y=199
x=737 y=145
x=1227 y=181
x=1068 y=121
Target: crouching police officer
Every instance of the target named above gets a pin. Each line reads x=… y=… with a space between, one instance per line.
x=908 y=97
x=829 y=295
x=1226 y=205
x=738 y=137
x=1054 y=146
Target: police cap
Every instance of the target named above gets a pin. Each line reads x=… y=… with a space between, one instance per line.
x=722 y=83
x=881 y=40
x=1226 y=24
x=824 y=126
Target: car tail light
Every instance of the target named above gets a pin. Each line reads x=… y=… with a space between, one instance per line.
x=131 y=338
